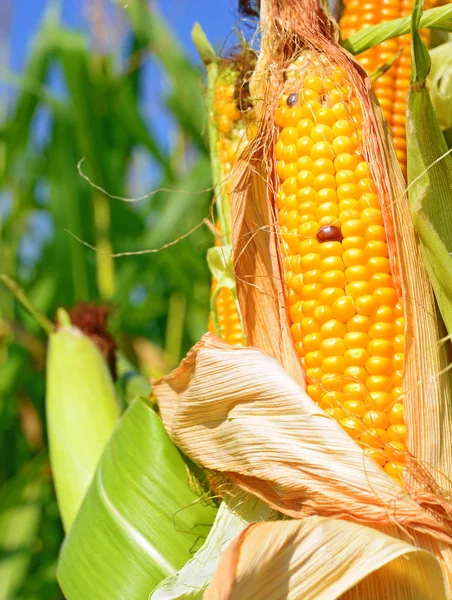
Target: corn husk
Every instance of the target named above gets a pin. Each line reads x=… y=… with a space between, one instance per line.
x=219 y=258
x=233 y=516
x=271 y=439
x=323 y=559
x=439 y=83
x=430 y=180
x=141 y=519
x=82 y=409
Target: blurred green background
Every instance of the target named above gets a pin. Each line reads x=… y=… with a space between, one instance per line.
x=122 y=91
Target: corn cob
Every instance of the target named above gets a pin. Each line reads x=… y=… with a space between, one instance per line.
x=346 y=318
x=392 y=87
x=232 y=137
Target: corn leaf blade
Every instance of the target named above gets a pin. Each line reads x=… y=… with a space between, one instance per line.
x=20 y=514
x=435 y=18
x=140 y=519
x=153 y=32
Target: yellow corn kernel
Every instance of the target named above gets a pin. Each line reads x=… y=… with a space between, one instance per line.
x=397 y=433
x=380 y=401
x=352 y=426
x=343 y=308
x=355 y=391
x=378 y=455
x=356 y=339
x=332 y=347
x=374 y=438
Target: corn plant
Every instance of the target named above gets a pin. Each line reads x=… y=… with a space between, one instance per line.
x=311 y=427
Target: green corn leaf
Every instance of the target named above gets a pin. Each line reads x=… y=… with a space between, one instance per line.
x=232 y=517
x=82 y=410
x=20 y=512
x=384 y=67
x=132 y=383
x=68 y=204
x=439 y=83
x=140 y=520
x=18 y=127
x=185 y=102
x=435 y=18
x=182 y=207
x=131 y=120
x=429 y=177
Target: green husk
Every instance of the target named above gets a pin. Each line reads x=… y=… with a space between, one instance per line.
x=439 y=82
x=141 y=519
x=435 y=18
x=219 y=259
x=233 y=516
x=429 y=177
x=82 y=410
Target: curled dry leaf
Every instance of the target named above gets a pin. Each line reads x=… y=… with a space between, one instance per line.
x=257 y=266
x=324 y=559
x=237 y=411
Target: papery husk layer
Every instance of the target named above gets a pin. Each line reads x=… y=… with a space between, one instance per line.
x=237 y=411
x=323 y=559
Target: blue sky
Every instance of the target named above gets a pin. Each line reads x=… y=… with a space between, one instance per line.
x=216 y=16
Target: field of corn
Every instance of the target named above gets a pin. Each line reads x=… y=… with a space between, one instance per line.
x=225 y=355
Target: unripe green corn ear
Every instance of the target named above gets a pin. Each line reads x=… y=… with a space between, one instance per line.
x=82 y=410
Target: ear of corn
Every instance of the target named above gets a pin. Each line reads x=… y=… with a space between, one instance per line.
x=392 y=87
x=82 y=409
x=228 y=136
x=346 y=315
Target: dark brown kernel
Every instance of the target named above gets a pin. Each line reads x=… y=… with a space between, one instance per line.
x=329 y=233
x=292 y=99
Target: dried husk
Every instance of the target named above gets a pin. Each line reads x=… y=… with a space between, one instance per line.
x=324 y=559
x=237 y=412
